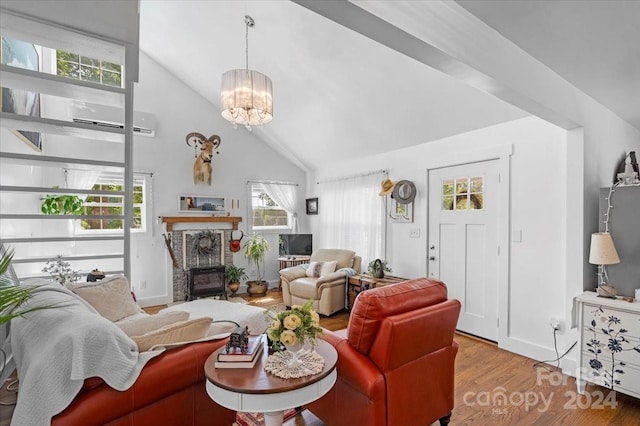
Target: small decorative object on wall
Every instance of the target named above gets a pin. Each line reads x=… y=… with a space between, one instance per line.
x=203 y=242
x=20 y=54
x=234 y=243
x=202 y=204
x=386 y=187
x=627 y=171
x=202 y=169
x=404 y=192
x=312 y=205
x=401 y=212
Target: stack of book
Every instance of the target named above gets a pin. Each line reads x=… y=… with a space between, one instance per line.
x=237 y=358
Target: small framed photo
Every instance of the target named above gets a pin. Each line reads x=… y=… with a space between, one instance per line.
x=312 y=205
x=401 y=212
x=209 y=204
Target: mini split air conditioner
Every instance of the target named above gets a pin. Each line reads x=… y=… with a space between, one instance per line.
x=144 y=124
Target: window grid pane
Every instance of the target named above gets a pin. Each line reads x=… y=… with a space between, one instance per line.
x=469 y=193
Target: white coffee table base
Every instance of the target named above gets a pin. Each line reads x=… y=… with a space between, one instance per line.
x=273 y=405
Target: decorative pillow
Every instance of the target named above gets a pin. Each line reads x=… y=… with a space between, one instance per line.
x=180 y=332
x=112 y=299
x=144 y=324
x=320 y=269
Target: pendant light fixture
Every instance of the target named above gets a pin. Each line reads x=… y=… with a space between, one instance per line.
x=246 y=95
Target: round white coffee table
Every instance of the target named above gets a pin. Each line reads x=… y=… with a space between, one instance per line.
x=254 y=390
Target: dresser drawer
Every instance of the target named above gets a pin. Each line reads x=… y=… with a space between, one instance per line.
x=605 y=317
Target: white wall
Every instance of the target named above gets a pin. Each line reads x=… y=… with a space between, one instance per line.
x=179 y=110
x=537 y=208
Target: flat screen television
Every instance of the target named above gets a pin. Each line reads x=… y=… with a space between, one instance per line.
x=296 y=244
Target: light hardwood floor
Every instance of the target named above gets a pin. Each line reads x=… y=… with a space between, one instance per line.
x=536 y=395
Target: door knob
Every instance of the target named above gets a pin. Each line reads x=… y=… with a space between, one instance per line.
x=432 y=258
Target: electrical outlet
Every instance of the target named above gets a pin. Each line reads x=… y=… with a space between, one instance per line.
x=143 y=284
x=555 y=323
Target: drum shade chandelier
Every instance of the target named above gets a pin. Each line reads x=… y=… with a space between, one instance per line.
x=246 y=95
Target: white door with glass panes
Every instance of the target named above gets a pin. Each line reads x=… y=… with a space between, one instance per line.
x=463 y=241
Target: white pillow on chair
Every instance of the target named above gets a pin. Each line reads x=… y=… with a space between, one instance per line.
x=320 y=269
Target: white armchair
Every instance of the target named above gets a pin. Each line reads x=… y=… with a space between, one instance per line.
x=327 y=290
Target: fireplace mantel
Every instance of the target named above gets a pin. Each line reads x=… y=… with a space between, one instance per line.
x=170 y=220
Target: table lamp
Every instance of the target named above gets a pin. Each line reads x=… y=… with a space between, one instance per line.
x=603 y=252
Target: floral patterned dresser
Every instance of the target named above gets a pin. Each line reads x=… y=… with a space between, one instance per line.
x=609 y=342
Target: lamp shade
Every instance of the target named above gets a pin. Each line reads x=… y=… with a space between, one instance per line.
x=246 y=97
x=603 y=251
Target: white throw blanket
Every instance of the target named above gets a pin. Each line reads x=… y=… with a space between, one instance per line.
x=57 y=349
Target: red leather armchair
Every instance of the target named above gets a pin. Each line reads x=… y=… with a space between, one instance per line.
x=396 y=359
x=169 y=391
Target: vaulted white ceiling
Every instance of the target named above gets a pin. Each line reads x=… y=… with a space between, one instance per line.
x=339 y=94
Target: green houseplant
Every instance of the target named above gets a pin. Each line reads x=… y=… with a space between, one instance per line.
x=12 y=297
x=255 y=249
x=378 y=267
x=62 y=204
x=234 y=275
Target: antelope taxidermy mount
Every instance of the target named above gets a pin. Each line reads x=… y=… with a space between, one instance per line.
x=202 y=168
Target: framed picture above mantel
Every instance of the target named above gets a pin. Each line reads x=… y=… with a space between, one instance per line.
x=207 y=204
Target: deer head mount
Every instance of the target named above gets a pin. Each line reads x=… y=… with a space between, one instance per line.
x=202 y=168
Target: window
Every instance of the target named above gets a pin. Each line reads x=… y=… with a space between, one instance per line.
x=265 y=212
x=114 y=205
x=465 y=193
x=79 y=67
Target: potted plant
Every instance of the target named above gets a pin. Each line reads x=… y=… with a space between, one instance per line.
x=234 y=275
x=378 y=267
x=62 y=204
x=255 y=249
x=61 y=271
x=12 y=297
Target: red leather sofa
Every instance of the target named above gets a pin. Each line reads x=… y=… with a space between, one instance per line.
x=169 y=391
x=396 y=358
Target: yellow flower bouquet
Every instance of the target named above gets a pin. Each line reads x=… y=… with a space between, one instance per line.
x=297 y=325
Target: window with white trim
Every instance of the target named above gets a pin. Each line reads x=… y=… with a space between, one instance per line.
x=465 y=193
x=114 y=205
x=80 y=67
x=265 y=213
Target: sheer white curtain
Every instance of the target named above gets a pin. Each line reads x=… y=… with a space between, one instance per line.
x=352 y=215
x=80 y=179
x=285 y=195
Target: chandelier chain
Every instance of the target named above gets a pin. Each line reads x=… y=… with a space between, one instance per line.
x=246 y=44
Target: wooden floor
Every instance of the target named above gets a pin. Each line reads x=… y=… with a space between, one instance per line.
x=534 y=395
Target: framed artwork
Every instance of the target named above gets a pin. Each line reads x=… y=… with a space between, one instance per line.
x=402 y=213
x=21 y=54
x=210 y=204
x=312 y=205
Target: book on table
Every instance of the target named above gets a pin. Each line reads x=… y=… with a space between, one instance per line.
x=237 y=354
x=241 y=364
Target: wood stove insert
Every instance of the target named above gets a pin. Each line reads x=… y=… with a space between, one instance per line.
x=206 y=282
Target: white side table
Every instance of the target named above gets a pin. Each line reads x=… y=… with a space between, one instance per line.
x=255 y=390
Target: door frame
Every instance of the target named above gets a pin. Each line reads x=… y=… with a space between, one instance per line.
x=502 y=154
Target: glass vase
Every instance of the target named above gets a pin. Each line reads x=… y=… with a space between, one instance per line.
x=295 y=352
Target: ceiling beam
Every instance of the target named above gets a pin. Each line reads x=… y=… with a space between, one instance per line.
x=371 y=25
